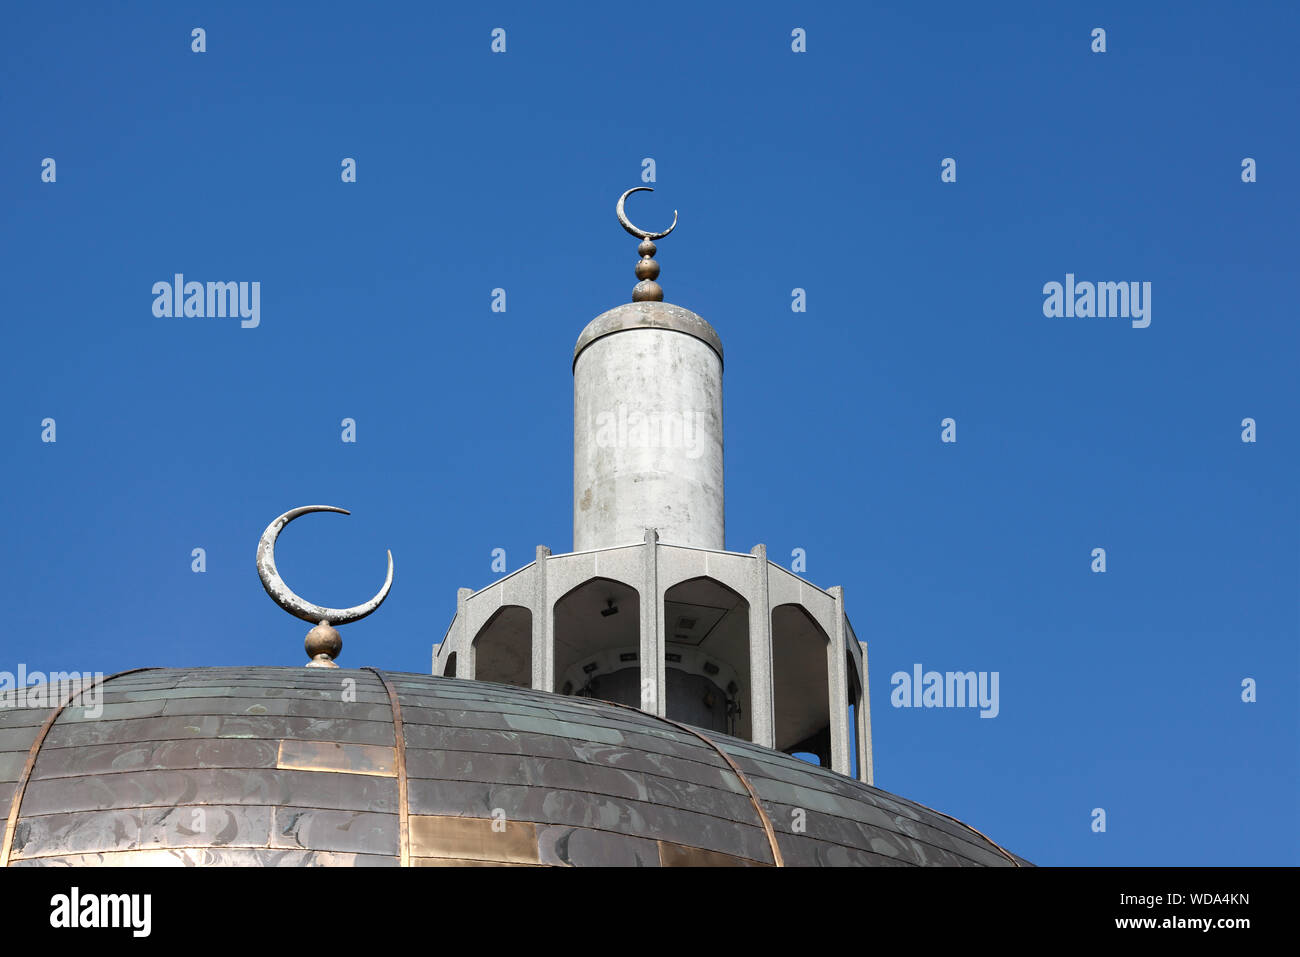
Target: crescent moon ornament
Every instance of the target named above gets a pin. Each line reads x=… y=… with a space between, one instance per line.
x=636 y=231
x=283 y=596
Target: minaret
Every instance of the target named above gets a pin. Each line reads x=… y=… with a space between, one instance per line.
x=647 y=419
x=649 y=610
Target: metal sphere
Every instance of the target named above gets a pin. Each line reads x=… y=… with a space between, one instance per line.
x=323 y=645
x=647 y=269
x=647 y=290
x=647 y=249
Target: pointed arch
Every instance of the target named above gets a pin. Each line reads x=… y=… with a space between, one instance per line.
x=800 y=683
x=503 y=647
x=706 y=652
x=595 y=620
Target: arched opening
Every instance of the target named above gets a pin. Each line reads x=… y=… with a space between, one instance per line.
x=597 y=637
x=449 y=670
x=706 y=656
x=503 y=648
x=800 y=685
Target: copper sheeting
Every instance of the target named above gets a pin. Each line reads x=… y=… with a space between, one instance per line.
x=399 y=743
x=333 y=756
x=474 y=839
x=679 y=855
x=298 y=767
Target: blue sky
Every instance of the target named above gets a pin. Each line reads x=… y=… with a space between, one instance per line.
x=817 y=170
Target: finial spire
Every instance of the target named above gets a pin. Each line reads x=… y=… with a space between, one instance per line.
x=647 y=270
x=323 y=643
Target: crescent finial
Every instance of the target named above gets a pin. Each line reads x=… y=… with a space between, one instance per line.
x=647 y=270
x=283 y=595
x=637 y=231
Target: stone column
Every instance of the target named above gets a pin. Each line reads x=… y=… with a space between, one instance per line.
x=543 y=652
x=464 y=644
x=761 y=718
x=866 y=771
x=837 y=677
x=654 y=696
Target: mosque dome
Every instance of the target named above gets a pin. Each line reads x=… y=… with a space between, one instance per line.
x=302 y=766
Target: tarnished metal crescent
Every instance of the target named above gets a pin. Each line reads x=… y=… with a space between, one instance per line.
x=283 y=596
x=636 y=230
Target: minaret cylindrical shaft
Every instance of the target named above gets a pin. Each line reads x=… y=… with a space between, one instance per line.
x=647 y=429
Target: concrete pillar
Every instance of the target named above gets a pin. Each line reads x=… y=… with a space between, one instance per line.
x=762 y=721
x=837 y=676
x=464 y=643
x=543 y=652
x=647 y=428
x=866 y=770
x=654 y=694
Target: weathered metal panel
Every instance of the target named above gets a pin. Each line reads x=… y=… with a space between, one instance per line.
x=340 y=693
x=116 y=695
x=610 y=731
x=359 y=711
x=487 y=741
x=219 y=726
x=919 y=844
x=11 y=764
x=578 y=808
x=18 y=739
x=212 y=857
x=565 y=846
x=336 y=756
x=681 y=855
x=475 y=839
x=564 y=708
x=864 y=804
x=321 y=829
x=702 y=767
x=172 y=788
x=150 y=755
x=22 y=717
x=805 y=851
x=683 y=794
x=86 y=832
x=113 y=712
x=462 y=862
x=520 y=769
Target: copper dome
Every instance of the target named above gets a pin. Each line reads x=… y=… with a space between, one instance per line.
x=291 y=766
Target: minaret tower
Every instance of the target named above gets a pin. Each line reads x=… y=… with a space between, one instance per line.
x=650 y=610
x=647 y=419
